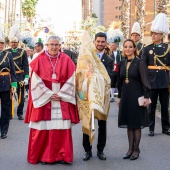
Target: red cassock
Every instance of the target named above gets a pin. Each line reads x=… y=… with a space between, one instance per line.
x=51 y=145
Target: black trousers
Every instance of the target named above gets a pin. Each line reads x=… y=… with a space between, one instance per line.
x=101 y=138
x=164 y=101
x=21 y=105
x=5 y=111
x=114 y=79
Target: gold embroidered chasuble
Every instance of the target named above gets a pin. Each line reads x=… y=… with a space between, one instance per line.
x=92 y=85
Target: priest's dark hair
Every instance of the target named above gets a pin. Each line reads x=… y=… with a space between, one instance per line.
x=100 y=34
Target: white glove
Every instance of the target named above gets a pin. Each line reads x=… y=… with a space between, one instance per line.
x=26 y=81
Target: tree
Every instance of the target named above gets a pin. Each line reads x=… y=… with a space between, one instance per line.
x=140 y=15
x=94 y=15
x=125 y=18
x=5 y=15
x=29 y=9
x=162 y=6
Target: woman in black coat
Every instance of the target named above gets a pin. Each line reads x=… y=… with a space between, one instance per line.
x=132 y=84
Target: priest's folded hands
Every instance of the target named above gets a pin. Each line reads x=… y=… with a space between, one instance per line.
x=55 y=97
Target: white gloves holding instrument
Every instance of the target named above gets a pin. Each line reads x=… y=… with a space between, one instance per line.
x=26 y=81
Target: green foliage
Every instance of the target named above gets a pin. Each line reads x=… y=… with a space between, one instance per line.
x=94 y=15
x=29 y=9
x=39 y=40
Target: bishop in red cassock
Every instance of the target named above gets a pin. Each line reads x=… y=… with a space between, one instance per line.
x=51 y=109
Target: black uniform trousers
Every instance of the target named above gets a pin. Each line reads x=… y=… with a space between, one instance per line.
x=101 y=138
x=163 y=98
x=21 y=105
x=5 y=111
x=114 y=79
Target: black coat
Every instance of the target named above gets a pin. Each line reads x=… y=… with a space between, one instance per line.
x=131 y=115
x=6 y=61
x=158 y=79
x=140 y=47
x=72 y=55
x=21 y=60
x=108 y=63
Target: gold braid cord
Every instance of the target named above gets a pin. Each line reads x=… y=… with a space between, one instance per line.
x=125 y=18
x=5 y=69
x=156 y=57
x=141 y=48
x=15 y=58
x=21 y=84
x=22 y=52
x=4 y=59
x=140 y=15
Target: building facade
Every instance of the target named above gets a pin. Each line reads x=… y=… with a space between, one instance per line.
x=112 y=12
x=86 y=8
x=98 y=9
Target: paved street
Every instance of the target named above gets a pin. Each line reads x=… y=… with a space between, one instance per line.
x=155 y=151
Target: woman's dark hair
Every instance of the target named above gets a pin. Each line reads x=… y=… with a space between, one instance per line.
x=107 y=50
x=134 y=45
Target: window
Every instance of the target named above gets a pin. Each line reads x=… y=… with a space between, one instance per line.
x=116 y=7
x=116 y=16
x=120 y=7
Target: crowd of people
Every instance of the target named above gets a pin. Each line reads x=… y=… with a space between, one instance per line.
x=139 y=72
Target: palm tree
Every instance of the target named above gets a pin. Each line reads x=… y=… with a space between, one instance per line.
x=13 y=12
x=9 y=12
x=15 y=4
x=125 y=18
x=140 y=15
x=29 y=9
x=5 y=15
x=20 y=13
x=162 y=6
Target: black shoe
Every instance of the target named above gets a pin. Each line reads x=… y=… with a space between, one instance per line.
x=101 y=155
x=43 y=163
x=63 y=162
x=3 y=136
x=151 y=133
x=87 y=156
x=167 y=132
x=127 y=156
x=112 y=100
x=20 y=118
x=134 y=157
